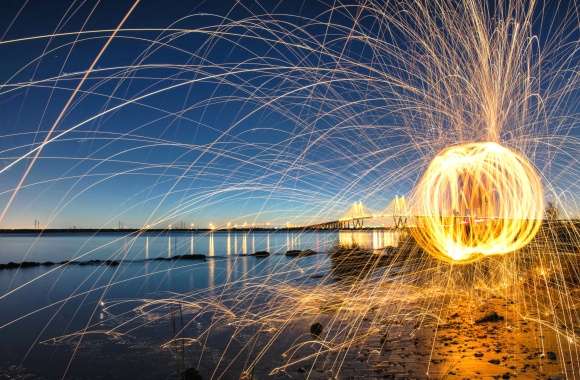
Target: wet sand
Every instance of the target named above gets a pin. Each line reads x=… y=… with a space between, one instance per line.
x=461 y=346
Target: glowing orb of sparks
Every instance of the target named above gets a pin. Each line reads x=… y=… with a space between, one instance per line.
x=476 y=200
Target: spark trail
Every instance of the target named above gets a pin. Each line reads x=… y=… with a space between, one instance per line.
x=290 y=116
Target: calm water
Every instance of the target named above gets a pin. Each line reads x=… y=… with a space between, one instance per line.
x=151 y=245
x=40 y=303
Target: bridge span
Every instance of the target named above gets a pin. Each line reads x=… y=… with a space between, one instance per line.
x=394 y=217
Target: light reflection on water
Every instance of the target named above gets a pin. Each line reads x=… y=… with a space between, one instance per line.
x=375 y=239
x=58 y=247
x=76 y=291
x=43 y=286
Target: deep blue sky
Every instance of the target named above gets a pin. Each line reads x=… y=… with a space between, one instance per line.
x=196 y=143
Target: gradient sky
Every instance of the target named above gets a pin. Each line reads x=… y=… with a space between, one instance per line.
x=163 y=131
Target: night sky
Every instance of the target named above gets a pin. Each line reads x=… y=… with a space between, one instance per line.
x=219 y=112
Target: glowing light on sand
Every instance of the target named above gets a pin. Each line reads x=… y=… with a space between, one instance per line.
x=476 y=200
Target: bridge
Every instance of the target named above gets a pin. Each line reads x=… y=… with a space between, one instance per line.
x=395 y=216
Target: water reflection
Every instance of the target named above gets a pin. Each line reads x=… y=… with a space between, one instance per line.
x=293 y=241
x=146 y=247
x=211 y=263
x=149 y=245
x=375 y=239
x=211 y=248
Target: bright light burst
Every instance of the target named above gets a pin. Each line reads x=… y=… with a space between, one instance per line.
x=477 y=200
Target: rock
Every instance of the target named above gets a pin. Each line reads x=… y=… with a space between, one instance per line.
x=188 y=257
x=29 y=264
x=551 y=355
x=22 y=265
x=261 y=254
x=308 y=252
x=491 y=317
x=299 y=253
x=316 y=329
x=384 y=339
x=33 y=264
x=191 y=374
x=494 y=361
x=478 y=354
x=86 y=263
x=556 y=377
